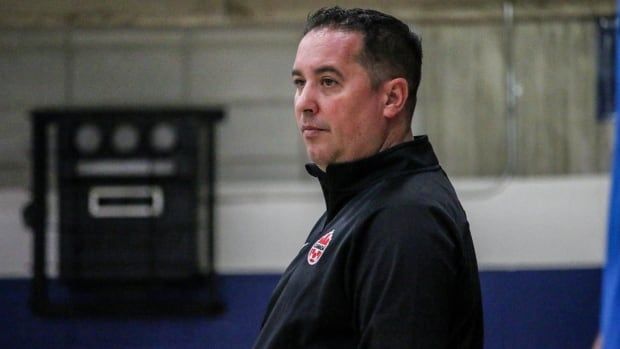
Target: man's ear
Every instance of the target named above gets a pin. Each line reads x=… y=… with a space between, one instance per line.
x=396 y=93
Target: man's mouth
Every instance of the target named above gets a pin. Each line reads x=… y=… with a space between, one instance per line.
x=309 y=131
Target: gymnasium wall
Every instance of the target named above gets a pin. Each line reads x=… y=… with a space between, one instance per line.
x=247 y=72
x=539 y=241
x=539 y=235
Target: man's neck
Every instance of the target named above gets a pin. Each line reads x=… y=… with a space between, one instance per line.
x=396 y=138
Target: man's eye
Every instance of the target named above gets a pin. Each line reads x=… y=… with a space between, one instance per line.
x=299 y=82
x=328 y=82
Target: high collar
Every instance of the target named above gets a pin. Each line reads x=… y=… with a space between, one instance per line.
x=342 y=181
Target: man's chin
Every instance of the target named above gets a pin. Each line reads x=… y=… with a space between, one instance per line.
x=318 y=159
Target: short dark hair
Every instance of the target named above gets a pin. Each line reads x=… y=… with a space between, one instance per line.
x=390 y=49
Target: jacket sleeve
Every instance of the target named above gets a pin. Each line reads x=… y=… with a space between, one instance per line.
x=404 y=266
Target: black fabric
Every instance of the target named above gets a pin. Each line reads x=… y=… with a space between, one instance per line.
x=399 y=271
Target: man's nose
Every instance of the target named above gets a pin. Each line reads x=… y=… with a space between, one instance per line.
x=306 y=100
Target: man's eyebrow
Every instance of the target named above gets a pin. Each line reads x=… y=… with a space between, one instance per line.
x=329 y=69
x=321 y=70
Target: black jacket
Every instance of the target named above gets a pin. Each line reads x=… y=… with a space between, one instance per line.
x=390 y=264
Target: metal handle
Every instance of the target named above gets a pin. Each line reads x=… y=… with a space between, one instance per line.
x=125 y=201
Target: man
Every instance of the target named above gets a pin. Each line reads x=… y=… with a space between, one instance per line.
x=391 y=263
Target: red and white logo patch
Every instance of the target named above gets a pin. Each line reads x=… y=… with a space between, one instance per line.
x=319 y=247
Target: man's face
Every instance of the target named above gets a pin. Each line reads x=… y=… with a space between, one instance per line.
x=339 y=114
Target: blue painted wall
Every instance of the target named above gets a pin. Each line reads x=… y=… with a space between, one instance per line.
x=523 y=309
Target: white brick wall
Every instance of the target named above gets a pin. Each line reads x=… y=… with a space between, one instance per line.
x=245 y=71
x=545 y=222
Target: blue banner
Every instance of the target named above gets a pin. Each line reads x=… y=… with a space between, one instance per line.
x=610 y=311
x=606 y=68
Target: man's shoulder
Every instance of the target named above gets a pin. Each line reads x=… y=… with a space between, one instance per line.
x=417 y=191
x=415 y=204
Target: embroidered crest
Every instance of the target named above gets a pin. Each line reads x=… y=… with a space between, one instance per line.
x=319 y=247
